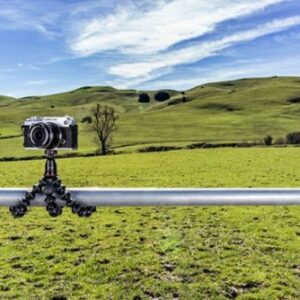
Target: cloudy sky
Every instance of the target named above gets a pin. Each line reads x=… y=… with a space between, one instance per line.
x=49 y=46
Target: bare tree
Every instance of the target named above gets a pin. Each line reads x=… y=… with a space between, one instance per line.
x=104 y=124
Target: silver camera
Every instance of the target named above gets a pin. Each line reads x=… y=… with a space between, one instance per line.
x=50 y=133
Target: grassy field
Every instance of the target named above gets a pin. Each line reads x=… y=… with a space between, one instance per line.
x=157 y=253
x=235 y=111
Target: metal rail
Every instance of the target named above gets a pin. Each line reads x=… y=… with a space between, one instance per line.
x=165 y=197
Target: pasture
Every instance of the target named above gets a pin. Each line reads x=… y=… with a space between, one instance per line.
x=157 y=253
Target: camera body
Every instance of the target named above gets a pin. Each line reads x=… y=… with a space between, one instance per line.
x=50 y=133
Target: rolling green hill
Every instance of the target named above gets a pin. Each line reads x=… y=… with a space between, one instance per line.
x=241 y=110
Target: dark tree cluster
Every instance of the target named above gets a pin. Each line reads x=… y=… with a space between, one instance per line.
x=86 y=119
x=144 y=98
x=159 y=96
x=293 y=138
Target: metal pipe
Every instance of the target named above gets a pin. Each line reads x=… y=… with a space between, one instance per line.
x=165 y=197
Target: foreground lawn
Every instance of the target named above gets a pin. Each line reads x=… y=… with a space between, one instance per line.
x=227 y=167
x=157 y=253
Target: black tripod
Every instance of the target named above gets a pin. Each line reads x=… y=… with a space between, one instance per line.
x=50 y=186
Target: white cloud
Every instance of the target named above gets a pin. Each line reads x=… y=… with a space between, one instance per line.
x=28 y=66
x=198 y=51
x=51 y=18
x=36 y=82
x=148 y=30
x=16 y=18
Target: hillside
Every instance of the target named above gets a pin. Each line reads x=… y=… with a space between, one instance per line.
x=241 y=110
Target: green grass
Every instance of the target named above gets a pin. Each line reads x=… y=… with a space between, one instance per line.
x=229 y=167
x=242 y=110
x=157 y=253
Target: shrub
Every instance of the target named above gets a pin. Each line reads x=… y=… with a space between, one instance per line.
x=293 y=138
x=268 y=140
x=144 y=98
x=158 y=149
x=84 y=88
x=87 y=119
x=294 y=100
x=161 y=96
x=183 y=97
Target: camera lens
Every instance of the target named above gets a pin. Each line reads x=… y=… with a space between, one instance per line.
x=45 y=135
x=39 y=136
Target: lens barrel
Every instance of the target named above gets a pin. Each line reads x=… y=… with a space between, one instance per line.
x=45 y=135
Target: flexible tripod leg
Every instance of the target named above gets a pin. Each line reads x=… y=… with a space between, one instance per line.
x=51 y=187
x=20 y=209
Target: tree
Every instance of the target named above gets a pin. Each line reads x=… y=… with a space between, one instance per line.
x=293 y=138
x=87 y=119
x=183 y=97
x=144 y=98
x=104 y=124
x=268 y=140
x=162 y=96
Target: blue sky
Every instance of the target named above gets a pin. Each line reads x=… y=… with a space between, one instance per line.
x=50 y=46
